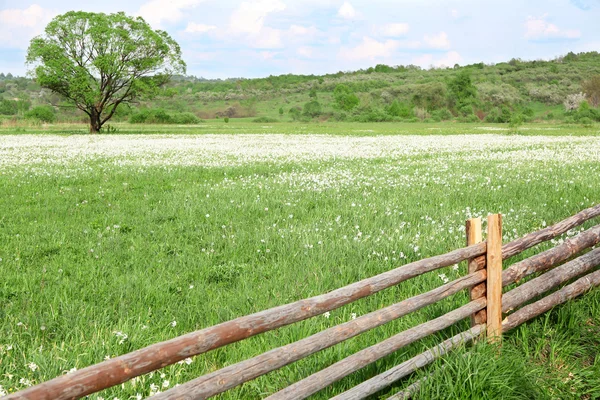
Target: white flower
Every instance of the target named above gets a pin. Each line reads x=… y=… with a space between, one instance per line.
x=9 y=347
x=2 y=391
x=122 y=336
x=444 y=278
x=25 y=382
x=32 y=366
x=191 y=286
x=455 y=267
x=353 y=315
x=173 y=324
x=165 y=384
x=138 y=396
x=327 y=314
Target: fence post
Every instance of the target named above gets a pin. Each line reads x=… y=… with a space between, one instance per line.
x=494 y=277
x=474 y=236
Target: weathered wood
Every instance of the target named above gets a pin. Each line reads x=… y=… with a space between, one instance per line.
x=398 y=372
x=236 y=374
x=563 y=295
x=494 y=277
x=550 y=280
x=410 y=390
x=474 y=236
x=551 y=258
x=123 y=368
x=313 y=383
x=517 y=246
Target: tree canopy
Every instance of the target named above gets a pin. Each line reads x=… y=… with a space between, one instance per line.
x=101 y=61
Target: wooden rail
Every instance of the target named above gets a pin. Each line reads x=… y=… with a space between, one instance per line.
x=484 y=282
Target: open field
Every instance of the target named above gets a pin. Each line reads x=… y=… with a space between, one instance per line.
x=109 y=243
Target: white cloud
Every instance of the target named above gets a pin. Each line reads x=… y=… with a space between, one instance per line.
x=18 y=26
x=369 y=49
x=305 y=51
x=250 y=16
x=394 y=30
x=447 y=60
x=267 y=55
x=298 y=30
x=157 y=11
x=266 y=38
x=346 y=11
x=193 y=27
x=539 y=28
x=438 y=41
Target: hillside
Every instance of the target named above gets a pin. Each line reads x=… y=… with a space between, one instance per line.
x=514 y=90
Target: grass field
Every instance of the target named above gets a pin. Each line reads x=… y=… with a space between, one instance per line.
x=110 y=243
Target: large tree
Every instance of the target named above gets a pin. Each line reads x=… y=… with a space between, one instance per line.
x=100 y=61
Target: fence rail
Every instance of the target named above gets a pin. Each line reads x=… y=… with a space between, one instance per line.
x=485 y=282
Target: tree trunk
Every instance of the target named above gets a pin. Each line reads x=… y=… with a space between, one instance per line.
x=95 y=123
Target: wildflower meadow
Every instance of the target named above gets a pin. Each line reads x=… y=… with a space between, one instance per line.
x=110 y=243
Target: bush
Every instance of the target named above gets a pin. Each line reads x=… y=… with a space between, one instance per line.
x=592 y=90
x=373 y=116
x=573 y=101
x=42 y=114
x=185 y=118
x=312 y=109
x=344 y=98
x=442 y=115
x=265 y=120
x=400 y=110
x=8 y=107
x=226 y=119
x=160 y=116
x=429 y=96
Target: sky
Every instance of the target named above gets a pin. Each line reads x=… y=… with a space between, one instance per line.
x=258 y=38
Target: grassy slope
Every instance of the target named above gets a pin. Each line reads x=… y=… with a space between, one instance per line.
x=540 y=85
x=93 y=249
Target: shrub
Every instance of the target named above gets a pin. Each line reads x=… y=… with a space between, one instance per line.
x=592 y=90
x=160 y=116
x=373 y=116
x=573 y=101
x=443 y=115
x=498 y=94
x=430 y=96
x=461 y=88
x=295 y=113
x=397 y=109
x=345 y=99
x=265 y=120
x=41 y=113
x=185 y=118
x=312 y=109
x=226 y=119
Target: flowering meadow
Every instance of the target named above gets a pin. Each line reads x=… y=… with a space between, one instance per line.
x=110 y=243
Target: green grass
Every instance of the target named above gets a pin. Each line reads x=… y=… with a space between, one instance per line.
x=247 y=126
x=100 y=243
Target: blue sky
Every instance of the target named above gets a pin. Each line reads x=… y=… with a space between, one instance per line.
x=255 y=38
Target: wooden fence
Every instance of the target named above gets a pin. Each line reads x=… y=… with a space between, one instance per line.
x=488 y=304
